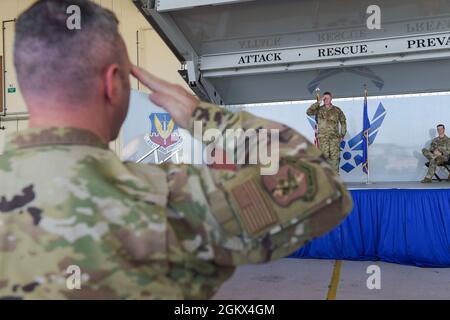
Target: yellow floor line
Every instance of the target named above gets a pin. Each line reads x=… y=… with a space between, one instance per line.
x=334 y=281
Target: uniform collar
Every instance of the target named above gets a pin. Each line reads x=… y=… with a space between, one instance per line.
x=36 y=137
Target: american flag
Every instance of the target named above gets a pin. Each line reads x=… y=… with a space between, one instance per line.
x=316 y=127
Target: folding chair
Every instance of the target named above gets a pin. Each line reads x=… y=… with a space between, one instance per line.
x=446 y=165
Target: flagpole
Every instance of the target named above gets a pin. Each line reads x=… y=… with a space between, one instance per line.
x=316 y=129
x=367 y=140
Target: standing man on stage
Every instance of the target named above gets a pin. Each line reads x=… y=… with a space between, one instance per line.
x=438 y=154
x=328 y=118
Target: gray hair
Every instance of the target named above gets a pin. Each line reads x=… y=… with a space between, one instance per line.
x=49 y=57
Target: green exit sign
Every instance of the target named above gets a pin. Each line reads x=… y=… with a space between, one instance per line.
x=11 y=90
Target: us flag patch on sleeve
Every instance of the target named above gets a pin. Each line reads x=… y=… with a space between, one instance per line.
x=255 y=211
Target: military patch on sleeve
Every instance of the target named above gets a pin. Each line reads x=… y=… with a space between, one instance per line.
x=256 y=212
x=294 y=181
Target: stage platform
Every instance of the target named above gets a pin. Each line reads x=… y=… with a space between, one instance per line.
x=398 y=185
x=402 y=222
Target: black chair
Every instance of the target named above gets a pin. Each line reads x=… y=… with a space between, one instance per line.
x=446 y=165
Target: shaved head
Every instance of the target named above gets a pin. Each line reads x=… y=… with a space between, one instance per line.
x=73 y=74
x=53 y=60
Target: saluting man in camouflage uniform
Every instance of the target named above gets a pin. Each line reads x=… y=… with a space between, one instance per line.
x=438 y=154
x=135 y=231
x=328 y=118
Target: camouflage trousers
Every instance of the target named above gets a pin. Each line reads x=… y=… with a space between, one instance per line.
x=331 y=148
x=435 y=161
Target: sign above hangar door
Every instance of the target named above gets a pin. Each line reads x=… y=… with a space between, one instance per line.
x=239 y=52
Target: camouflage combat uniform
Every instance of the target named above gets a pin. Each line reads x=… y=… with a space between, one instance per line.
x=152 y=232
x=330 y=138
x=442 y=145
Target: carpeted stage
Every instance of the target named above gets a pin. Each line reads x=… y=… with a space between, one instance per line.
x=405 y=222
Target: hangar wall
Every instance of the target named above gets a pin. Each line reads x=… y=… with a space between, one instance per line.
x=141 y=40
x=400 y=127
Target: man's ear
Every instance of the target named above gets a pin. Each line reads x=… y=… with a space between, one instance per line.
x=112 y=84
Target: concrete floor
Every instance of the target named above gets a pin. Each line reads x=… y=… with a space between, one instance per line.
x=297 y=279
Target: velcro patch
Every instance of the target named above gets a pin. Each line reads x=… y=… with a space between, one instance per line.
x=256 y=212
x=292 y=182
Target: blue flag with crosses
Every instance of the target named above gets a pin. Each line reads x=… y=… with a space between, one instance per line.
x=365 y=142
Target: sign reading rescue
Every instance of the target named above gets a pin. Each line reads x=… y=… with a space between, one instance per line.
x=398 y=47
x=342 y=50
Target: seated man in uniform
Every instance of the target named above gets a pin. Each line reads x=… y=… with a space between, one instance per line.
x=438 y=154
x=126 y=230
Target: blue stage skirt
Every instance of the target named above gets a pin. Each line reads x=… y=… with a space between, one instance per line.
x=409 y=227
